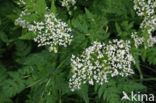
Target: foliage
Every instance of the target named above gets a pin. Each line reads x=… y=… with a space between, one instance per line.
x=32 y=74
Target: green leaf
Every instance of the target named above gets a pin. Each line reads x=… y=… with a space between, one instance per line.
x=37 y=58
x=100 y=91
x=137 y=65
x=118 y=29
x=3 y=37
x=30 y=18
x=83 y=93
x=28 y=36
x=112 y=95
x=89 y=14
x=41 y=7
x=80 y=24
x=22 y=48
x=53 y=8
x=151 y=56
x=144 y=55
x=131 y=85
x=15 y=84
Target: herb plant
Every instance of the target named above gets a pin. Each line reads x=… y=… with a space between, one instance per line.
x=77 y=51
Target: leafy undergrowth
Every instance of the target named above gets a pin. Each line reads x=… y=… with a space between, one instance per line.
x=32 y=74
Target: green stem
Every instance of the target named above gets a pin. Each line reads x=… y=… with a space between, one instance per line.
x=147 y=79
x=53 y=8
x=138 y=68
x=60 y=101
x=62 y=63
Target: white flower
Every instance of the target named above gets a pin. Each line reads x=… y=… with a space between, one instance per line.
x=137 y=40
x=91 y=82
x=21 y=2
x=100 y=61
x=20 y=21
x=68 y=4
x=148 y=26
x=51 y=32
x=149 y=23
x=144 y=8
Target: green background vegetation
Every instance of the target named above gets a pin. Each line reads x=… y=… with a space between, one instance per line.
x=29 y=74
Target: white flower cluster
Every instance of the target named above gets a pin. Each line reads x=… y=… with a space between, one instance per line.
x=68 y=4
x=100 y=62
x=137 y=40
x=52 y=32
x=21 y=2
x=148 y=26
x=144 y=8
x=149 y=23
x=20 y=21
